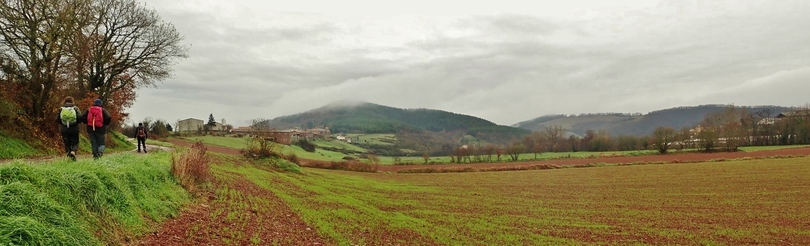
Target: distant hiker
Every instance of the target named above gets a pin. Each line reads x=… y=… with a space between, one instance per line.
x=97 y=119
x=141 y=134
x=68 y=118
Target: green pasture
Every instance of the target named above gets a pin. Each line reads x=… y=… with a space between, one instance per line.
x=763 y=148
x=732 y=202
x=338 y=145
x=158 y=143
x=229 y=142
x=319 y=154
x=373 y=139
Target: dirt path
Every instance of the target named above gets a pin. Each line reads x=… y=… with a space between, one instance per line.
x=235 y=212
x=245 y=215
x=80 y=156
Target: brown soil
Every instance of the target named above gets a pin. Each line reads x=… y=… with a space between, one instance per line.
x=249 y=216
x=668 y=158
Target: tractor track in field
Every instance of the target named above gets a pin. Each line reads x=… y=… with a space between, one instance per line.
x=258 y=218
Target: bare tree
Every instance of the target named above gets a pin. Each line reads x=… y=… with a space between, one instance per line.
x=663 y=137
x=554 y=134
x=530 y=142
x=488 y=150
x=32 y=38
x=515 y=150
x=125 y=45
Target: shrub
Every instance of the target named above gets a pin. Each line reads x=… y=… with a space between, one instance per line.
x=306 y=145
x=279 y=163
x=191 y=167
x=258 y=147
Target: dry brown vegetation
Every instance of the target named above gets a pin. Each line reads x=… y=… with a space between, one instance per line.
x=191 y=167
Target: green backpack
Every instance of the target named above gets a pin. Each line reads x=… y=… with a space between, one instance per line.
x=68 y=116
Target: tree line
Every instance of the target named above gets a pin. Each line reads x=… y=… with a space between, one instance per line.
x=725 y=130
x=87 y=49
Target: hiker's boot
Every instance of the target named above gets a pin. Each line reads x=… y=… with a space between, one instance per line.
x=72 y=155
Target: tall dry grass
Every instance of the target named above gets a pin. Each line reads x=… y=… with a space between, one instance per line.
x=191 y=167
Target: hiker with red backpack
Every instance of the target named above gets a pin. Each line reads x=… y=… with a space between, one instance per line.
x=68 y=118
x=97 y=118
x=141 y=134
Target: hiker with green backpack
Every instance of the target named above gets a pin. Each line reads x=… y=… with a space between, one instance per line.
x=97 y=119
x=68 y=118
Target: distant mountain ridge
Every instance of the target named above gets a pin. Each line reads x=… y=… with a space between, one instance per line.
x=618 y=124
x=364 y=117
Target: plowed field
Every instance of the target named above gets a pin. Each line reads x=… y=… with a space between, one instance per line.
x=733 y=202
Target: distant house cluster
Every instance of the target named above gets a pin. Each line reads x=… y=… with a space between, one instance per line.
x=344 y=139
x=773 y=120
x=285 y=136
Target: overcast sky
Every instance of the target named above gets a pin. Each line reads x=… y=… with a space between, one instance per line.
x=505 y=61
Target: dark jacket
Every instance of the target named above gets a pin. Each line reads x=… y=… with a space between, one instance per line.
x=145 y=132
x=107 y=119
x=74 y=128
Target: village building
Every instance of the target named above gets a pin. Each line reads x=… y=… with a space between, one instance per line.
x=190 y=125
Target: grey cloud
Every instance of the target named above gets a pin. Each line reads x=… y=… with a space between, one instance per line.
x=504 y=68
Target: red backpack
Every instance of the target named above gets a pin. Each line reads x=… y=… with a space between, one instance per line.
x=141 y=132
x=95 y=117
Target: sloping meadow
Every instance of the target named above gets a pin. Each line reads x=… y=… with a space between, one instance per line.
x=88 y=202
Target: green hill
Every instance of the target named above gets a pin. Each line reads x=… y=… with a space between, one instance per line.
x=619 y=124
x=362 y=117
x=416 y=129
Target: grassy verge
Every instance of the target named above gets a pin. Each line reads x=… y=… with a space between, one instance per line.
x=11 y=148
x=119 y=142
x=158 y=143
x=228 y=142
x=86 y=202
x=764 y=148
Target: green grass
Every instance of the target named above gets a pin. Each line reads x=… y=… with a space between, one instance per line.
x=158 y=143
x=373 y=139
x=732 y=202
x=336 y=144
x=121 y=142
x=229 y=142
x=86 y=202
x=11 y=148
x=763 y=148
x=319 y=154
